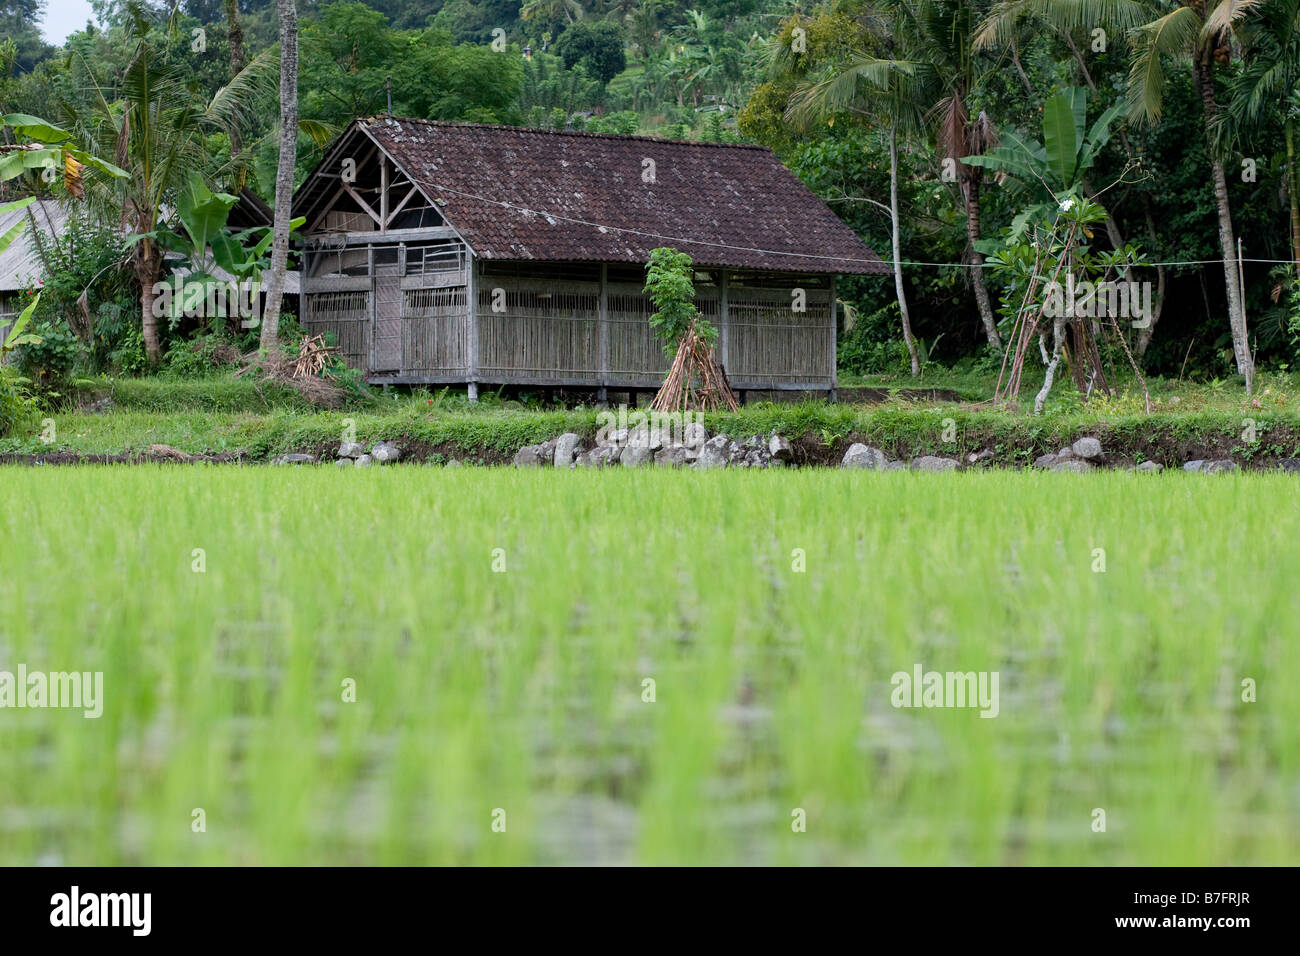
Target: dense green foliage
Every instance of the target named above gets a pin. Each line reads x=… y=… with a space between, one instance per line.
x=965 y=75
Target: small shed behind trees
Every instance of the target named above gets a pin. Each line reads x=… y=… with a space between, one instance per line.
x=449 y=253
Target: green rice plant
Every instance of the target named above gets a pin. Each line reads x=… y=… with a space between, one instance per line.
x=376 y=666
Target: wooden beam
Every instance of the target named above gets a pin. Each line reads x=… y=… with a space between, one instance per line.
x=723 y=323
x=354 y=239
x=602 y=329
x=338 y=194
x=471 y=308
x=834 y=329
x=348 y=188
x=383 y=192
x=401 y=205
x=374 y=303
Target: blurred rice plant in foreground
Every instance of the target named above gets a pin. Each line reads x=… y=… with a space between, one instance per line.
x=522 y=689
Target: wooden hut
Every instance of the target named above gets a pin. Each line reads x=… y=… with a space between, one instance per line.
x=449 y=253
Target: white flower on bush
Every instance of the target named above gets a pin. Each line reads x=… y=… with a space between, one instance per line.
x=1067 y=205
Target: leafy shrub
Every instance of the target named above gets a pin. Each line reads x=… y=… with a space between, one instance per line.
x=200 y=356
x=89 y=258
x=49 y=362
x=871 y=347
x=17 y=404
x=128 y=357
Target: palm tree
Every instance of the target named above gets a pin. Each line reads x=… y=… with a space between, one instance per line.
x=936 y=37
x=1196 y=30
x=283 y=175
x=1271 y=50
x=550 y=11
x=154 y=127
x=1010 y=20
x=235 y=33
x=925 y=86
x=855 y=87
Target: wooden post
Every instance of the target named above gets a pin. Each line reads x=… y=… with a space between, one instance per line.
x=723 y=324
x=304 y=270
x=374 y=303
x=383 y=192
x=602 y=334
x=471 y=310
x=834 y=371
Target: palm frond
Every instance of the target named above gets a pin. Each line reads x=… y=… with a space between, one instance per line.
x=1174 y=34
x=1225 y=15
x=1008 y=17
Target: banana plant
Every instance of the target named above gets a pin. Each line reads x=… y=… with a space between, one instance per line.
x=17 y=334
x=1053 y=170
x=48 y=151
x=203 y=242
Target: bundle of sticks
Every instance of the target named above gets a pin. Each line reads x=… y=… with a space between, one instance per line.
x=695 y=381
x=313 y=356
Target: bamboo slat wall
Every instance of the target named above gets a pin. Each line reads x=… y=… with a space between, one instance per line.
x=768 y=341
x=410 y=323
x=435 y=333
x=538 y=330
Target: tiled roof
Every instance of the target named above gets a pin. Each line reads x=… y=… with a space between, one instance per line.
x=538 y=194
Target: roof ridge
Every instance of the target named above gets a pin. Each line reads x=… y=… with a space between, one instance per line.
x=561 y=132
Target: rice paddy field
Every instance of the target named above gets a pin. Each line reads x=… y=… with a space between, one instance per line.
x=485 y=666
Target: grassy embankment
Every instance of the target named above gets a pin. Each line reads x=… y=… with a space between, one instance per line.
x=222 y=415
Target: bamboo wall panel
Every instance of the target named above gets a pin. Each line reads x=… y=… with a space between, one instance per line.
x=770 y=342
x=635 y=351
x=544 y=331
x=548 y=329
x=347 y=315
x=435 y=332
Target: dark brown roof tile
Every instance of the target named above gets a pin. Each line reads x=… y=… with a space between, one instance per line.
x=538 y=194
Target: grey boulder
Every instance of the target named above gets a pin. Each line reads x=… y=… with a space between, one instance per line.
x=715 y=453
x=535 y=456
x=1075 y=466
x=933 y=463
x=674 y=456
x=780 y=448
x=634 y=456
x=864 y=456
x=1211 y=466
x=567 y=447
x=602 y=456
x=1086 y=448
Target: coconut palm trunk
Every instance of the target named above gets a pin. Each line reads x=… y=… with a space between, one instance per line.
x=1227 y=239
x=972 y=190
x=897 y=247
x=235 y=32
x=284 y=174
x=1291 y=191
x=148 y=267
